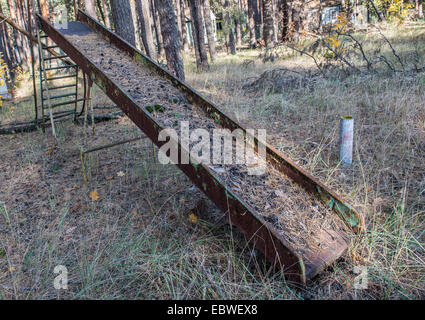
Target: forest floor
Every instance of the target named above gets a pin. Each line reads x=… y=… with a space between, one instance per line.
x=130 y=233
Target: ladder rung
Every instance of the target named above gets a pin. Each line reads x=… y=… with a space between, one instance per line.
x=58 y=114
x=61 y=77
x=61 y=96
x=61 y=67
x=56 y=57
x=66 y=103
x=61 y=87
x=63 y=112
x=50 y=47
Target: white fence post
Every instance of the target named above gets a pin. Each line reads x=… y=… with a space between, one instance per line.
x=346 y=140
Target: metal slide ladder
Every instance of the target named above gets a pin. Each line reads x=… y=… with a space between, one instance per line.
x=51 y=68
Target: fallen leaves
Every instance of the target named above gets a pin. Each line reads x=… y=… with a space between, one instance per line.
x=49 y=150
x=193 y=218
x=134 y=213
x=94 y=196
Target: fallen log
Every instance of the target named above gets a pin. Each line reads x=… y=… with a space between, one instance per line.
x=21 y=127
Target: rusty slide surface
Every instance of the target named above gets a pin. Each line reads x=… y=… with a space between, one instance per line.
x=296 y=267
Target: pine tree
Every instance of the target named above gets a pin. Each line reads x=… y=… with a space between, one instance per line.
x=170 y=36
x=198 y=35
x=146 y=27
x=123 y=20
x=210 y=30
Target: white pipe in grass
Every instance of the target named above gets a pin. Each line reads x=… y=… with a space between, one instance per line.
x=346 y=140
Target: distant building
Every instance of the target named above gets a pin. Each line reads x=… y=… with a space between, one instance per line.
x=320 y=13
x=330 y=15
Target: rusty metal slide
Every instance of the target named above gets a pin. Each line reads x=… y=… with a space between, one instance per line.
x=301 y=255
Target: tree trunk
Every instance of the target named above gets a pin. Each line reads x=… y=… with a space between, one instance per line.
x=238 y=32
x=251 y=23
x=258 y=18
x=157 y=27
x=146 y=26
x=179 y=22
x=123 y=20
x=285 y=20
x=276 y=20
x=420 y=9
x=101 y=12
x=185 y=37
x=198 y=34
x=106 y=13
x=170 y=36
x=229 y=23
x=268 y=23
x=296 y=17
x=90 y=8
x=20 y=15
x=137 y=37
x=5 y=39
x=44 y=8
x=16 y=34
x=210 y=30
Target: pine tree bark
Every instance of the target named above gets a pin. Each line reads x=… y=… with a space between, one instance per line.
x=268 y=23
x=101 y=12
x=296 y=17
x=146 y=26
x=106 y=13
x=258 y=18
x=137 y=37
x=20 y=15
x=185 y=37
x=157 y=28
x=198 y=34
x=210 y=30
x=170 y=36
x=251 y=23
x=229 y=23
x=123 y=20
x=16 y=34
x=179 y=22
x=238 y=32
x=5 y=38
x=276 y=19
x=90 y=8
x=44 y=8
x=285 y=19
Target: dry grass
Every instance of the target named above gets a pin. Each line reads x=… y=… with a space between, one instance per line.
x=136 y=241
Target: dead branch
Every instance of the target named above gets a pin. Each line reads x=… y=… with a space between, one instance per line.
x=378 y=13
x=20 y=127
x=307 y=54
x=390 y=45
x=340 y=57
x=369 y=64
